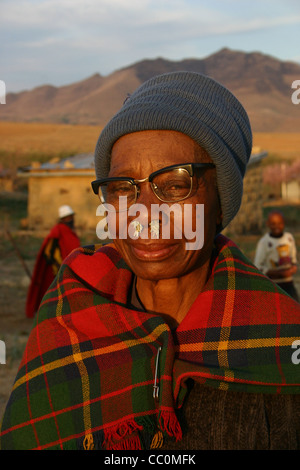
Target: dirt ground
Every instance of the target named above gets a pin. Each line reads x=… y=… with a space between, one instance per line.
x=14 y=282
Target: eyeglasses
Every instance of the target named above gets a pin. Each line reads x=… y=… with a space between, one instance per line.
x=170 y=184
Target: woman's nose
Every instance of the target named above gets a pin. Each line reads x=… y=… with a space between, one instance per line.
x=142 y=213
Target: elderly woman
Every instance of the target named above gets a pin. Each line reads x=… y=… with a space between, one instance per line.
x=163 y=338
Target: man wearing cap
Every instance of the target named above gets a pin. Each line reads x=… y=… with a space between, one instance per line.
x=61 y=240
x=150 y=341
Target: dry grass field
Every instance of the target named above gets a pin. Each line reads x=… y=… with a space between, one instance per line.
x=20 y=143
x=280 y=145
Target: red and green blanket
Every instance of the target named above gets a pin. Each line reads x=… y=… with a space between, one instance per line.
x=99 y=375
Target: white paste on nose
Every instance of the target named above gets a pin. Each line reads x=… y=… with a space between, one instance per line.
x=137 y=227
x=154 y=228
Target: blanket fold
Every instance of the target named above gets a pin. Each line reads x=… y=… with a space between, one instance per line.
x=99 y=375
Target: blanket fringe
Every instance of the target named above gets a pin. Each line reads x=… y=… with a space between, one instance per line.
x=127 y=435
x=169 y=423
x=130 y=443
x=157 y=441
x=88 y=442
x=115 y=437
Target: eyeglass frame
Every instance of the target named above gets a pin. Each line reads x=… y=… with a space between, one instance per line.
x=189 y=167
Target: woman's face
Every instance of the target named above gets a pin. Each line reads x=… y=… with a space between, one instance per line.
x=139 y=154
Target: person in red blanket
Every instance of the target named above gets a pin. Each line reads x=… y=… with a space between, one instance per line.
x=61 y=240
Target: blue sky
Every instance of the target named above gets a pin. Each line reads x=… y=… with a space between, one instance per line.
x=60 y=42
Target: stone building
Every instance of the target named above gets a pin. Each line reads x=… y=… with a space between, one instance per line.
x=6 y=180
x=55 y=183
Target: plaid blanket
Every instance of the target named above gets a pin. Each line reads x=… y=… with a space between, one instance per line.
x=99 y=375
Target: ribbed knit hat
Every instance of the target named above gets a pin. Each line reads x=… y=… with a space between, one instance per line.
x=199 y=107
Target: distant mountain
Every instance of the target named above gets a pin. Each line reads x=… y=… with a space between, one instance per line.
x=262 y=83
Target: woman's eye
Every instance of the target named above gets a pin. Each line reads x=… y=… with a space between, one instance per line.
x=118 y=188
x=122 y=189
x=175 y=186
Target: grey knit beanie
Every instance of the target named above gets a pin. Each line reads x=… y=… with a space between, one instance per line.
x=199 y=107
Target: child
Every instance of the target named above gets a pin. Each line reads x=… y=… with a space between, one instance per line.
x=276 y=254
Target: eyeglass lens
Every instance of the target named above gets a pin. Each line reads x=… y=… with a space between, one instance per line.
x=168 y=186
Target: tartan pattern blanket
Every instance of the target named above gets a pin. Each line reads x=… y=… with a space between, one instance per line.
x=98 y=375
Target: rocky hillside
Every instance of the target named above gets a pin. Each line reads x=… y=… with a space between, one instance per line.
x=261 y=82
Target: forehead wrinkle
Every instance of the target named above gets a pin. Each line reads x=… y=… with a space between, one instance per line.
x=122 y=168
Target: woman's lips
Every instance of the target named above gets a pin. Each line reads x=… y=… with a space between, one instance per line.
x=153 y=251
